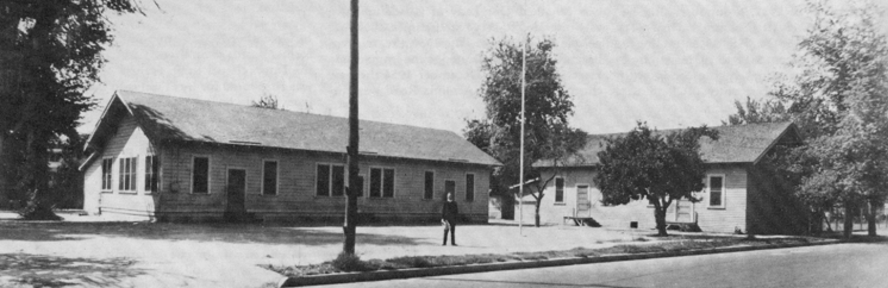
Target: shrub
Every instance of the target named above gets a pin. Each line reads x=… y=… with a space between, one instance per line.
x=349 y=262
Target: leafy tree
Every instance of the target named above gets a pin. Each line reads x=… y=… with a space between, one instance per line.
x=838 y=100
x=51 y=54
x=548 y=136
x=645 y=165
x=757 y=112
x=268 y=101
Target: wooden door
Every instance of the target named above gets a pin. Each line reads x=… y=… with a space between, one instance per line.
x=584 y=204
x=236 y=189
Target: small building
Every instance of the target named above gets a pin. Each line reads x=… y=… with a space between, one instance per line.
x=181 y=159
x=739 y=194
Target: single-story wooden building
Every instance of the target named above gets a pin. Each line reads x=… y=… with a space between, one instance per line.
x=739 y=196
x=181 y=159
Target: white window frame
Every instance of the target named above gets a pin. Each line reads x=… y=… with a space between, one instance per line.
x=723 y=190
x=110 y=175
x=563 y=187
x=466 y=186
x=277 y=178
x=209 y=174
x=132 y=174
x=434 y=175
x=330 y=178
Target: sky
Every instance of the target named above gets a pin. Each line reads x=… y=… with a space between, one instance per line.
x=669 y=63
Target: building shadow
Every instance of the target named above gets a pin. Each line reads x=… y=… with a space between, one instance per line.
x=227 y=233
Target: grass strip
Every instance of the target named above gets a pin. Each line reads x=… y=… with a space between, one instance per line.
x=345 y=263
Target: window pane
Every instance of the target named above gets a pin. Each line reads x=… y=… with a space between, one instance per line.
x=360 y=186
x=470 y=187
x=388 y=183
x=449 y=187
x=155 y=173
x=338 y=180
x=132 y=174
x=429 y=185
x=201 y=172
x=269 y=179
x=375 y=182
x=715 y=191
x=323 y=180
x=559 y=190
x=148 y=170
x=120 y=174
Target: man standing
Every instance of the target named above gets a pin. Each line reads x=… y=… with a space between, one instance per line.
x=449 y=214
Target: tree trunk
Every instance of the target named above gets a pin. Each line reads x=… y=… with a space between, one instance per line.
x=871 y=219
x=4 y=187
x=536 y=218
x=849 y=219
x=660 y=217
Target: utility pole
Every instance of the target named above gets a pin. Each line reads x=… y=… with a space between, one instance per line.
x=521 y=161
x=351 y=204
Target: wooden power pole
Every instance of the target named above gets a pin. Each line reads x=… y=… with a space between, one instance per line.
x=351 y=205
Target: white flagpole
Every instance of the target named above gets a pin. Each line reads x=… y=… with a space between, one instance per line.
x=521 y=161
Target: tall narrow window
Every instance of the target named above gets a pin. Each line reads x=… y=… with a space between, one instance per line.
x=127 y=176
x=375 y=182
x=200 y=175
x=449 y=187
x=338 y=179
x=388 y=183
x=269 y=177
x=106 y=174
x=151 y=175
x=716 y=191
x=429 y=185
x=470 y=187
x=559 y=189
x=323 y=180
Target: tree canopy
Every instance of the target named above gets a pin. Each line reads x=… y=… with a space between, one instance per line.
x=643 y=164
x=51 y=54
x=548 y=105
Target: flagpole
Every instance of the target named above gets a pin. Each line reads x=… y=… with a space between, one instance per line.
x=521 y=161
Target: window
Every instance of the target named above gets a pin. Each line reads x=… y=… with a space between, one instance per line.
x=330 y=180
x=338 y=180
x=375 y=182
x=382 y=182
x=151 y=175
x=127 y=176
x=200 y=175
x=429 y=185
x=470 y=187
x=449 y=187
x=716 y=191
x=559 y=189
x=106 y=173
x=269 y=177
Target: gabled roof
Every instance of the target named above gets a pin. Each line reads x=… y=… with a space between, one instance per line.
x=167 y=118
x=736 y=144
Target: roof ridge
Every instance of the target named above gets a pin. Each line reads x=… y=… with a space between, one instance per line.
x=288 y=111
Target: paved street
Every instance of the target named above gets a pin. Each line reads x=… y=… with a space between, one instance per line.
x=842 y=265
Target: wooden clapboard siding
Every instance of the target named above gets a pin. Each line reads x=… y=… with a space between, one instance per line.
x=726 y=219
x=128 y=141
x=296 y=181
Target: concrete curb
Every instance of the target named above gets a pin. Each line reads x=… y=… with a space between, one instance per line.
x=476 y=268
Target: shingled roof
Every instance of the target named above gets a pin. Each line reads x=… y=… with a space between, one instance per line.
x=167 y=118
x=736 y=144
